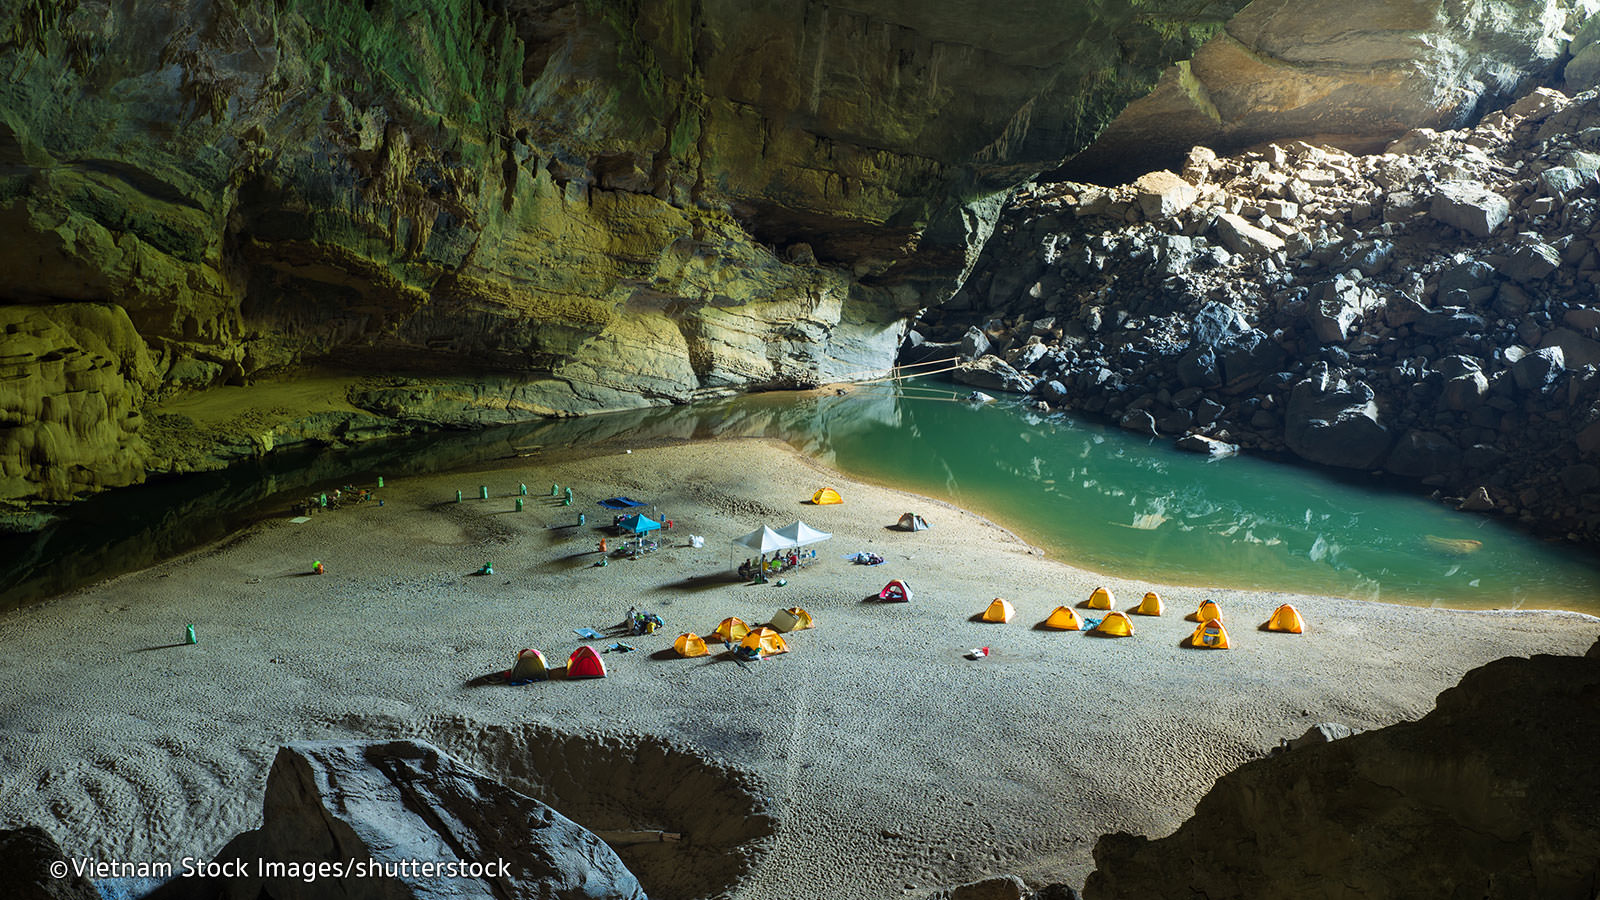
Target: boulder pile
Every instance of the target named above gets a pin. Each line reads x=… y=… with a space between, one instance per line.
x=1430 y=312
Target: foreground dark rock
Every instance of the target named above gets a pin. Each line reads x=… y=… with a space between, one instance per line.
x=1429 y=312
x=26 y=857
x=398 y=801
x=1489 y=796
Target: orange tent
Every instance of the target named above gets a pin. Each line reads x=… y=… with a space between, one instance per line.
x=1208 y=610
x=764 y=641
x=794 y=618
x=1286 y=618
x=896 y=591
x=585 y=663
x=1150 y=605
x=690 y=645
x=1063 y=619
x=732 y=629
x=1210 y=635
x=1115 y=624
x=1101 y=599
x=1000 y=610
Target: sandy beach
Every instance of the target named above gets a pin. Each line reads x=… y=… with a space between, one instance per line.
x=873 y=760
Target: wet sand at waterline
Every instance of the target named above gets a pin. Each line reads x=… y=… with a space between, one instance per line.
x=884 y=762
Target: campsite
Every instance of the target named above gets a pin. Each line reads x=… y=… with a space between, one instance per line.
x=876 y=758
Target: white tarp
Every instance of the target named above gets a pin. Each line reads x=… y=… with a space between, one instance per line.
x=802 y=534
x=764 y=540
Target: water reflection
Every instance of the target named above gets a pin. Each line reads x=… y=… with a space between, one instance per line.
x=1103 y=498
x=1090 y=495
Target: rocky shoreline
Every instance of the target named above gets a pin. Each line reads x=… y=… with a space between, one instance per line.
x=1428 y=312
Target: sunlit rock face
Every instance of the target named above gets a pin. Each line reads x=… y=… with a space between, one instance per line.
x=1355 y=74
x=512 y=208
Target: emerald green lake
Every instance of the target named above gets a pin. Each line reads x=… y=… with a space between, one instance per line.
x=1089 y=494
x=1102 y=498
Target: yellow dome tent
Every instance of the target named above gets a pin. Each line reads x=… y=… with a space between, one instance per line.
x=732 y=629
x=1101 y=599
x=1150 y=605
x=1210 y=635
x=826 y=496
x=792 y=619
x=764 y=641
x=1286 y=618
x=1208 y=610
x=1115 y=624
x=1000 y=610
x=689 y=645
x=1063 y=619
x=530 y=666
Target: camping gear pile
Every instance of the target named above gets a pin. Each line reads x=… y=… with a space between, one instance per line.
x=746 y=643
x=642 y=622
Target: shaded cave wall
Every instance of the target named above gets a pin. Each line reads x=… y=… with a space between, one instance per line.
x=503 y=209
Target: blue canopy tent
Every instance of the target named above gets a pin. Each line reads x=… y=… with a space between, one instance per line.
x=637 y=524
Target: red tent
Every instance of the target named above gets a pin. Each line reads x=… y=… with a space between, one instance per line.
x=585 y=663
x=896 y=591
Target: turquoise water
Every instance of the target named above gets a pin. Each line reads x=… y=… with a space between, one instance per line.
x=1090 y=495
x=1099 y=497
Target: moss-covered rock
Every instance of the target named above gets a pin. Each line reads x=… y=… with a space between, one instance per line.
x=519 y=207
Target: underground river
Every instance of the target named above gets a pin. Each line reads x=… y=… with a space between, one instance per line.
x=1087 y=493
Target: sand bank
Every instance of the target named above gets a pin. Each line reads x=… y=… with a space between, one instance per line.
x=886 y=761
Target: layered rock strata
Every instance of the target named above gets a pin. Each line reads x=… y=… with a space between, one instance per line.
x=1356 y=75
x=1428 y=312
x=510 y=208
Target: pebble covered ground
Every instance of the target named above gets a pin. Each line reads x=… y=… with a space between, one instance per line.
x=873 y=760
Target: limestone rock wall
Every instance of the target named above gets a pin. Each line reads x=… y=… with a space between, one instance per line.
x=1429 y=311
x=74 y=377
x=525 y=207
x=1356 y=75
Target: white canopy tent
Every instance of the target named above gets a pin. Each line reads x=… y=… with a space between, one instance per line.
x=764 y=540
x=801 y=534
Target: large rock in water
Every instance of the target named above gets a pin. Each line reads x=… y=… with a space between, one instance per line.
x=1352 y=73
x=1330 y=422
x=543 y=206
x=1489 y=796
x=398 y=801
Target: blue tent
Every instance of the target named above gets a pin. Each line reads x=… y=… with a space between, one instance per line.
x=622 y=503
x=639 y=524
